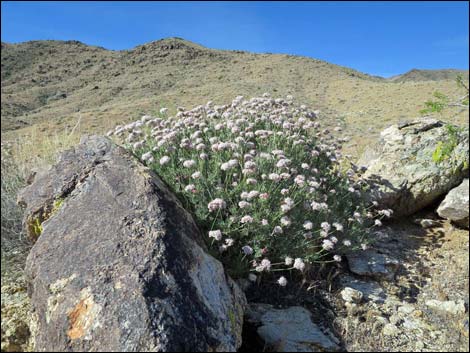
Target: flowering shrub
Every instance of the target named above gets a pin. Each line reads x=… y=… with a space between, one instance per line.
x=262 y=180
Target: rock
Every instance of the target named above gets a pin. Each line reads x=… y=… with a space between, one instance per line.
x=455 y=205
x=419 y=345
x=449 y=306
x=351 y=295
x=289 y=330
x=406 y=309
x=371 y=290
x=411 y=324
x=16 y=310
x=118 y=264
x=396 y=319
x=352 y=309
x=403 y=169
x=427 y=223
x=390 y=330
x=372 y=264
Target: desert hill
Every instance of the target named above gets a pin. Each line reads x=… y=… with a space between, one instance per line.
x=430 y=75
x=51 y=85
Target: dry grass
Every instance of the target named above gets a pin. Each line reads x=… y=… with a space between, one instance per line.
x=19 y=158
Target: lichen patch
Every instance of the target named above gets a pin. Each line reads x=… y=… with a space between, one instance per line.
x=83 y=317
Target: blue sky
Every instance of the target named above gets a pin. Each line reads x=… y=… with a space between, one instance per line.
x=380 y=38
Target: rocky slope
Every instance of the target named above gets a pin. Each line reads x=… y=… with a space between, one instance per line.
x=52 y=85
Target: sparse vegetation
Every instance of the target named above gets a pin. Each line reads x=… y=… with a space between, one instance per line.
x=444 y=149
x=443 y=101
x=18 y=159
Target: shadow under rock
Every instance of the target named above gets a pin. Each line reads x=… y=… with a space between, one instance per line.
x=312 y=292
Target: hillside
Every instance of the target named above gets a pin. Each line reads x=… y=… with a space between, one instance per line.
x=430 y=75
x=50 y=85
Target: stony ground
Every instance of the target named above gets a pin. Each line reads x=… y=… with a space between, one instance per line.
x=393 y=315
x=434 y=266
x=15 y=314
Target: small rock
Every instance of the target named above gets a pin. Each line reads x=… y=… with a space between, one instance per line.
x=396 y=319
x=373 y=264
x=406 y=309
x=411 y=324
x=351 y=295
x=419 y=345
x=352 y=308
x=289 y=330
x=371 y=290
x=427 y=223
x=450 y=306
x=382 y=320
x=390 y=330
x=455 y=205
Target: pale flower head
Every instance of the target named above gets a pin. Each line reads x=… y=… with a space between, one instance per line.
x=282 y=281
x=308 y=225
x=339 y=227
x=189 y=163
x=190 y=188
x=299 y=264
x=246 y=219
x=285 y=221
x=216 y=234
x=328 y=244
x=216 y=204
x=164 y=160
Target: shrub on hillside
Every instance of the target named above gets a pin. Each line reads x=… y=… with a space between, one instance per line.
x=262 y=179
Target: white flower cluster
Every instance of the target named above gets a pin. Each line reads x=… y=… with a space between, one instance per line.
x=262 y=173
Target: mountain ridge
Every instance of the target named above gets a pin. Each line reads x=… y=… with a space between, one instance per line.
x=45 y=84
x=444 y=73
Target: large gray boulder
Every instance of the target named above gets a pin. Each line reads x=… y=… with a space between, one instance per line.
x=414 y=163
x=118 y=264
x=455 y=205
